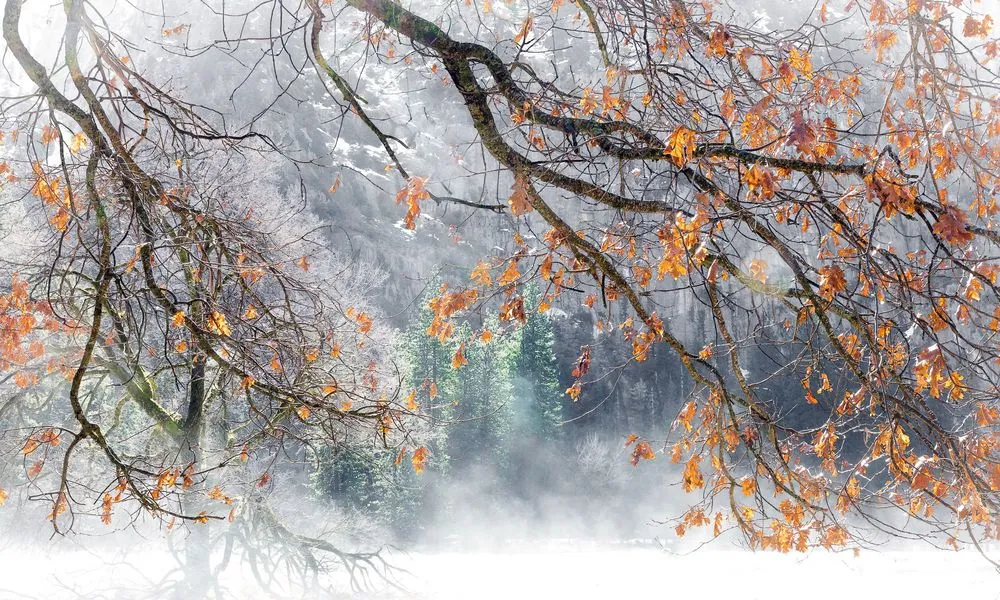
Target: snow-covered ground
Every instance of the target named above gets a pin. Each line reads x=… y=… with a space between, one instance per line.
x=645 y=573
x=566 y=571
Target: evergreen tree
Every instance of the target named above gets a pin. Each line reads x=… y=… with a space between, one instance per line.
x=365 y=479
x=431 y=378
x=540 y=397
x=536 y=448
x=484 y=401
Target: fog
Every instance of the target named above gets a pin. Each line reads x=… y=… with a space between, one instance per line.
x=557 y=569
x=478 y=546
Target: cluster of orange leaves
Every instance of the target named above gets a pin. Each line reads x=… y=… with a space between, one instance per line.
x=445 y=306
x=52 y=193
x=641 y=451
x=412 y=194
x=167 y=480
x=681 y=244
x=47 y=436
x=791 y=529
x=21 y=320
x=363 y=324
x=812 y=138
x=109 y=500
x=933 y=375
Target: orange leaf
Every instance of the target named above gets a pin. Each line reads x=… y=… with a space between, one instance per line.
x=825 y=442
x=951 y=227
x=411 y=401
x=693 y=478
x=458 y=360
x=364 y=323
x=481 y=274
x=588 y=102
x=642 y=275
x=519 y=200
x=582 y=363
x=832 y=283
x=758 y=270
x=522 y=34
x=419 y=459
x=686 y=415
x=760 y=182
x=986 y=415
x=217 y=324
x=412 y=194
x=513 y=310
x=30 y=445
x=680 y=146
x=642 y=451
x=510 y=275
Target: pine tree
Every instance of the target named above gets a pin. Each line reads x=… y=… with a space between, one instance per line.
x=484 y=401
x=431 y=378
x=538 y=444
x=366 y=478
x=537 y=384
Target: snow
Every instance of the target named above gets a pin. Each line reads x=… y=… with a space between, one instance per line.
x=579 y=571
x=649 y=573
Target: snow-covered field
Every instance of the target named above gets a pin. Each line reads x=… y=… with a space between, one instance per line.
x=645 y=573
x=577 y=572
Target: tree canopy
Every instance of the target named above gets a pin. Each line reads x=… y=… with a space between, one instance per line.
x=823 y=183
